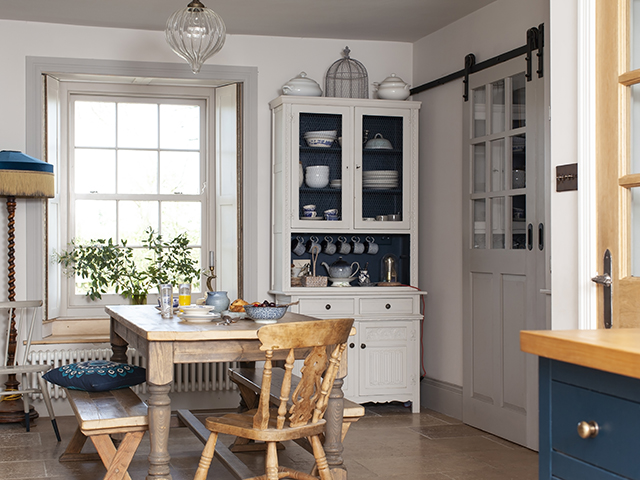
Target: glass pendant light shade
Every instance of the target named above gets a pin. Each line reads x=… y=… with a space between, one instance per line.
x=195 y=33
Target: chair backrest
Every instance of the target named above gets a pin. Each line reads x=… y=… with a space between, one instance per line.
x=22 y=315
x=326 y=340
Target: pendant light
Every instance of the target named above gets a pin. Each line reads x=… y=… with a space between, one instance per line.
x=195 y=33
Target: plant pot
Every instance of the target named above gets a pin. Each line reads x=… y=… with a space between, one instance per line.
x=140 y=299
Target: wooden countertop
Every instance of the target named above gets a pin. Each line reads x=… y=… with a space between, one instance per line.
x=615 y=350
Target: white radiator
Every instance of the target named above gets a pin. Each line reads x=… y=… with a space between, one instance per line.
x=188 y=377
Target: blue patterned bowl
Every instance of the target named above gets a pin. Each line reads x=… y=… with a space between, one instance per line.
x=265 y=314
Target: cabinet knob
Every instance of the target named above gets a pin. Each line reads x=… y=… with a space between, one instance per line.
x=351 y=345
x=363 y=345
x=588 y=429
x=387 y=306
x=328 y=306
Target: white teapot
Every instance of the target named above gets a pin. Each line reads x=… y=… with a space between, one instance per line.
x=392 y=88
x=301 y=85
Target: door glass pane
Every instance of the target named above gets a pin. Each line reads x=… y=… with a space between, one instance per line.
x=519 y=222
x=634 y=16
x=137 y=125
x=479 y=112
x=322 y=168
x=635 y=129
x=138 y=171
x=497 y=223
x=479 y=168
x=635 y=232
x=497 y=165
x=498 y=107
x=518 y=161
x=479 y=222
x=87 y=162
x=518 y=100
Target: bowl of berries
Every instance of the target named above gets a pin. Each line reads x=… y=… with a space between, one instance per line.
x=265 y=312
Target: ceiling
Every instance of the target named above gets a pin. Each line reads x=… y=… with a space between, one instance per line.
x=386 y=20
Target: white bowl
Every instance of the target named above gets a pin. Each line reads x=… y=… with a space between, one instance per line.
x=320 y=142
x=322 y=133
x=317 y=176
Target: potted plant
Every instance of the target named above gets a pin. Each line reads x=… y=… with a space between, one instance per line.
x=106 y=264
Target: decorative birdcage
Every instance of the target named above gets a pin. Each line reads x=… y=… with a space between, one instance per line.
x=347 y=78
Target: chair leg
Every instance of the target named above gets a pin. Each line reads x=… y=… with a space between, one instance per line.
x=321 y=459
x=271 y=461
x=206 y=457
x=47 y=402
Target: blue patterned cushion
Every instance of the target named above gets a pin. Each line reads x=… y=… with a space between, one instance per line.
x=96 y=375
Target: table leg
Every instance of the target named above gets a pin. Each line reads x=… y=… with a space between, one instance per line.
x=118 y=346
x=159 y=380
x=333 y=437
x=159 y=419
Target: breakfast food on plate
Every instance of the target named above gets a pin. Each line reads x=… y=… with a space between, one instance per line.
x=238 y=305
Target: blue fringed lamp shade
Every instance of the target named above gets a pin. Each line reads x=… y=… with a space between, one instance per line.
x=25 y=176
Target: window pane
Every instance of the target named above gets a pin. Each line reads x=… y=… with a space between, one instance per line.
x=180 y=127
x=635 y=129
x=95 y=124
x=95 y=219
x=497 y=165
x=88 y=162
x=180 y=172
x=634 y=16
x=179 y=217
x=479 y=112
x=518 y=161
x=498 y=107
x=518 y=100
x=497 y=223
x=138 y=171
x=137 y=125
x=519 y=222
x=479 y=222
x=635 y=232
x=134 y=218
x=479 y=170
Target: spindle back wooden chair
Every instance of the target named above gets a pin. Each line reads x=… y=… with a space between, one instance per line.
x=299 y=413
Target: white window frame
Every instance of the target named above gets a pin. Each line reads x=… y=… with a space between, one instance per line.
x=71 y=304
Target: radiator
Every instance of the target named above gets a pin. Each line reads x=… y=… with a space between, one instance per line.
x=188 y=377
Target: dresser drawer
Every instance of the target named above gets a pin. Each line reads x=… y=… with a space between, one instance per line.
x=386 y=306
x=614 y=448
x=327 y=306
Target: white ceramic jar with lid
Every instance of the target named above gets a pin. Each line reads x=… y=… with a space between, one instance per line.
x=392 y=88
x=302 y=85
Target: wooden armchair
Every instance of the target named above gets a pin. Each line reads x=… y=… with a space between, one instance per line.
x=299 y=415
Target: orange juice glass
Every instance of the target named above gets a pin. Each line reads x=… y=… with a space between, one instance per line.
x=184 y=294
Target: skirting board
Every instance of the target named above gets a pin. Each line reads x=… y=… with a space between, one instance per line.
x=442 y=397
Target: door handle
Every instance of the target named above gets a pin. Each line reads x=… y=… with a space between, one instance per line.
x=530 y=237
x=606 y=281
x=540 y=236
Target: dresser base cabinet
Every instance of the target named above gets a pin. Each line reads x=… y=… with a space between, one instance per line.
x=571 y=394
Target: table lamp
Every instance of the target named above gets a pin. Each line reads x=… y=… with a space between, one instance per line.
x=20 y=176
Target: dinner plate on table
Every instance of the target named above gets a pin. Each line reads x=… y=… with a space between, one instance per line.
x=199 y=318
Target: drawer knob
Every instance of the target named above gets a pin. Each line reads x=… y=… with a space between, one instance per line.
x=387 y=306
x=351 y=345
x=328 y=306
x=588 y=429
x=363 y=345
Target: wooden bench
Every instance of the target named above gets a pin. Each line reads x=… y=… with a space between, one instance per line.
x=249 y=381
x=101 y=414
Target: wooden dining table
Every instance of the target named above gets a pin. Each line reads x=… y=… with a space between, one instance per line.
x=165 y=342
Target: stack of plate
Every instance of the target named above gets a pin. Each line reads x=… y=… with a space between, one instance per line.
x=337 y=183
x=380 y=179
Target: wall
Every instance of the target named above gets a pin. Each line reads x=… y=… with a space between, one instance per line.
x=277 y=58
x=495 y=29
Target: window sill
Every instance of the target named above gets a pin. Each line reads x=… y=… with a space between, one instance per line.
x=74 y=330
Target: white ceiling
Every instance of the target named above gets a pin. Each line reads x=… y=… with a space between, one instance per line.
x=387 y=20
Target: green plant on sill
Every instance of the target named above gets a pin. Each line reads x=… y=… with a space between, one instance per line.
x=107 y=264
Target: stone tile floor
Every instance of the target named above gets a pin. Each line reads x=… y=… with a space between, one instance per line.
x=389 y=442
